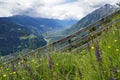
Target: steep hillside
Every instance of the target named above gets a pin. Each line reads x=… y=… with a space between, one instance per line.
x=14 y=37
x=91 y=18
x=84 y=22
x=100 y=61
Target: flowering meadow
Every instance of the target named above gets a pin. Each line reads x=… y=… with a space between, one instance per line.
x=100 y=61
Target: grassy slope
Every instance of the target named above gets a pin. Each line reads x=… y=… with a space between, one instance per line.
x=99 y=62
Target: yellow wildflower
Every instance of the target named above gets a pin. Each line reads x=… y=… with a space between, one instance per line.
x=117 y=49
x=19 y=63
x=115 y=40
x=92 y=47
x=109 y=47
x=14 y=72
x=56 y=64
x=118 y=70
x=33 y=60
x=4 y=75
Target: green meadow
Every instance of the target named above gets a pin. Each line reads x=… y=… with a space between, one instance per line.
x=100 y=61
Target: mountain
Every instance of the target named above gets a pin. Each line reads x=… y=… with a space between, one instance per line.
x=24 y=32
x=84 y=22
x=15 y=37
x=41 y=25
x=90 y=18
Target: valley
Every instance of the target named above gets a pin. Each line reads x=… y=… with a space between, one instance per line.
x=57 y=45
x=86 y=64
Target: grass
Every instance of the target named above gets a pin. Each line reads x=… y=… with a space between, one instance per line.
x=31 y=36
x=101 y=61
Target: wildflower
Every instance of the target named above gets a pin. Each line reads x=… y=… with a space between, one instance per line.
x=19 y=63
x=72 y=77
x=14 y=72
x=56 y=64
x=92 y=47
x=50 y=64
x=109 y=47
x=33 y=60
x=4 y=75
x=98 y=53
x=30 y=71
x=80 y=74
x=118 y=70
x=117 y=49
x=111 y=78
x=88 y=46
x=115 y=40
x=13 y=67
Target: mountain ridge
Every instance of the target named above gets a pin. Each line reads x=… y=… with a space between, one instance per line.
x=41 y=25
x=84 y=22
x=91 y=18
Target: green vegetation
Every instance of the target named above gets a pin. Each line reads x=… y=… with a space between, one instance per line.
x=101 y=61
x=15 y=38
x=31 y=36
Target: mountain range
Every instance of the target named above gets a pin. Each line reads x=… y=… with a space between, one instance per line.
x=21 y=32
x=91 y=18
x=24 y=32
x=41 y=25
x=84 y=22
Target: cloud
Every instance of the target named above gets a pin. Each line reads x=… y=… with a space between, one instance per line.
x=58 y=9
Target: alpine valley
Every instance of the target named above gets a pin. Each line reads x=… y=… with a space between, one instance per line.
x=27 y=33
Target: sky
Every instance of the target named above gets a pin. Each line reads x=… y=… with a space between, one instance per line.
x=57 y=9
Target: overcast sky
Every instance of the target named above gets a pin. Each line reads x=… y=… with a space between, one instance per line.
x=58 y=9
